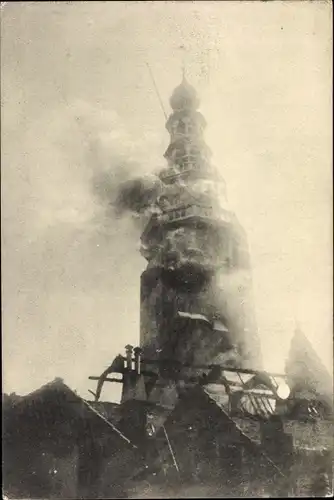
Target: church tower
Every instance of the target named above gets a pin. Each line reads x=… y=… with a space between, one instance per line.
x=196 y=303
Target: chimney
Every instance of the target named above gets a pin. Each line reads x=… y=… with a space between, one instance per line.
x=128 y=350
x=137 y=353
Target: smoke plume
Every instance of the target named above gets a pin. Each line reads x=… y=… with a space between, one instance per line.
x=71 y=235
x=122 y=174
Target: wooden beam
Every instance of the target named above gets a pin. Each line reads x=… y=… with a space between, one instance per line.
x=107 y=379
x=176 y=364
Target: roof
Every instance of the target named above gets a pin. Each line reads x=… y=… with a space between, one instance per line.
x=199 y=415
x=305 y=370
x=111 y=411
x=54 y=405
x=196 y=425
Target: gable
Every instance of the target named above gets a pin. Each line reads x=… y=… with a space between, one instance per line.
x=55 y=413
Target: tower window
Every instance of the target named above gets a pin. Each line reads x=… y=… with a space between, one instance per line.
x=181 y=127
x=174 y=127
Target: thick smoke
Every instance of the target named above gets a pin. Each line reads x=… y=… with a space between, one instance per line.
x=123 y=176
x=71 y=233
x=137 y=195
x=122 y=192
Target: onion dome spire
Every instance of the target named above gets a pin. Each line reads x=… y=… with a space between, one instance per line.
x=184 y=97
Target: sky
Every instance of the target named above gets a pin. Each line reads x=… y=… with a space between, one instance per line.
x=79 y=106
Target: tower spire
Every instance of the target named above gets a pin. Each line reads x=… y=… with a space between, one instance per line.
x=191 y=245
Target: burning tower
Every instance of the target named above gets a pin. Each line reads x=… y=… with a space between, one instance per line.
x=196 y=304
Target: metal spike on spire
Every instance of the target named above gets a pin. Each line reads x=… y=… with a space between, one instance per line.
x=183 y=71
x=183 y=48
